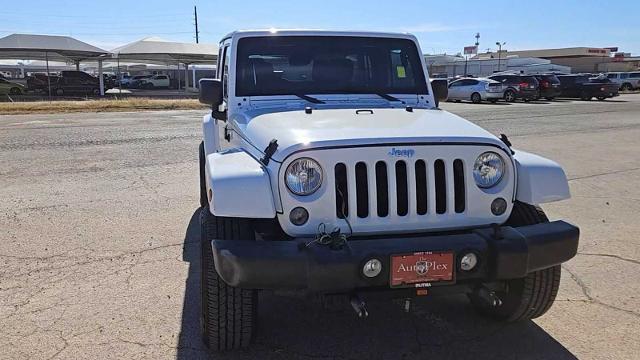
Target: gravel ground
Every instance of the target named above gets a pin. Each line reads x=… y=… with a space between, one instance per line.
x=98 y=254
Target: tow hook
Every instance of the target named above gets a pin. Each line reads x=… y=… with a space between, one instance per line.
x=488 y=296
x=359 y=306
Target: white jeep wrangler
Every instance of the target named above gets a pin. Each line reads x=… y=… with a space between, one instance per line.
x=327 y=168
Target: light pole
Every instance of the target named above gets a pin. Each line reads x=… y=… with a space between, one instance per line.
x=499 y=52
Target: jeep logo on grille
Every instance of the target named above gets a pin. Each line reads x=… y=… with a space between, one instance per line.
x=401 y=152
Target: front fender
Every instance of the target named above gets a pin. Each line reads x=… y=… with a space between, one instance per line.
x=240 y=186
x=540 y=180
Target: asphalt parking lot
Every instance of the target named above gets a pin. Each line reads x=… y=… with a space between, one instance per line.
x=99 y=256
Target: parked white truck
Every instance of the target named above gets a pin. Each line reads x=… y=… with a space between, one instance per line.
x=327 y=168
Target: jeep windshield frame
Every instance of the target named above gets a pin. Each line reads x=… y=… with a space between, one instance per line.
x=322 y=65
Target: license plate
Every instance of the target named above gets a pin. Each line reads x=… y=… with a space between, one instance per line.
x=421 y=268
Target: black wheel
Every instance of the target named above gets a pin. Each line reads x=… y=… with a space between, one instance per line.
x=601 y=98
x=204 y=199
x=59 y=92
x=509 y=96
x=95 y=91
x=529 y=297
x=584 y=96
x=476 y=98
x=15 y=91
x=229 y=314
x=626 y=87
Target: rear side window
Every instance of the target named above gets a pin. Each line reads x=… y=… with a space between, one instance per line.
x=567 y=79
x=582 y=79
x=635 y=75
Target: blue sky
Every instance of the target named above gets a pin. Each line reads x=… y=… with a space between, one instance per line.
x=441 y=26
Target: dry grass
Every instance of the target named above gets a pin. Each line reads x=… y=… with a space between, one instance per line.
x=106 y=105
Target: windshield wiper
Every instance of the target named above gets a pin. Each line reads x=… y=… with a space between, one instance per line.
x=309 y=99
x=388 y=97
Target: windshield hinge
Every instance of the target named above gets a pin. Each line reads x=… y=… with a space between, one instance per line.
x=506 y=141
x=269 y=151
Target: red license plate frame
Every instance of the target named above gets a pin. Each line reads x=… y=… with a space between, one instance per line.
x=421 y=269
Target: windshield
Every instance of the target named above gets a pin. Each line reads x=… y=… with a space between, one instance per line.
x=291 y=65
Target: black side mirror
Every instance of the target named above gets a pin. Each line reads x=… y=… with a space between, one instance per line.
x=210 y=92
x=440 y=88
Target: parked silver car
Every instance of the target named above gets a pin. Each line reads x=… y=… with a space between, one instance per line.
x=476 y=90
x=626 y=80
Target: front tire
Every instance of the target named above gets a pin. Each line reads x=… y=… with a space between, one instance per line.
x=476 y=98
x=531 y=296
x=229 y=314
x=15 y=91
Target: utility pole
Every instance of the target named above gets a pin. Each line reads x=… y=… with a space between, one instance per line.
x=499 y=52
x=195 y=15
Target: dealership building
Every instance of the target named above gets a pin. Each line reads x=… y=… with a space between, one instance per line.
x=563 y=60
x=581 y=59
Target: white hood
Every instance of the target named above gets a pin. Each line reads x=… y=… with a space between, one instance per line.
x=296 y=130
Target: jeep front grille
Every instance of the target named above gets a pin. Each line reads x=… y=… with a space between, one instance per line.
x=400 y=187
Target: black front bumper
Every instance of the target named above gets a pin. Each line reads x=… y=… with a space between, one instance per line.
x=504 y=253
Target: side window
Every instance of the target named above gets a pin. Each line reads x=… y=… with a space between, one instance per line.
x=635 y=75
x=455 y=84
x=225 y=72
x=219 y=62
x=472 y=82
x=612 y=76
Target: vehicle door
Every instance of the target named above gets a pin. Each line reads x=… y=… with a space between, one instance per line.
x=634 y=78
x=88 y=83
x=566 y=82
x=468 y=87
x=70 y=84
x=4 y=86
x=454 y=89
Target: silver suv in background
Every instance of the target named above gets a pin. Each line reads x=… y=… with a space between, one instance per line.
x=476 y=90
x=626 y=80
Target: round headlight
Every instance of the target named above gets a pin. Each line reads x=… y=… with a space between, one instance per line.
x=303 y=176
x=488 y=169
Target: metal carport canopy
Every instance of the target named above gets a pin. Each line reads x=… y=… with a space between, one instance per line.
x=156 y=50
x=51 y=48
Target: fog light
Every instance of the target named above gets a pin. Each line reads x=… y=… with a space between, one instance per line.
x=299 y=216
x=468 y=261
x=498 y=206
x=372 y=268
